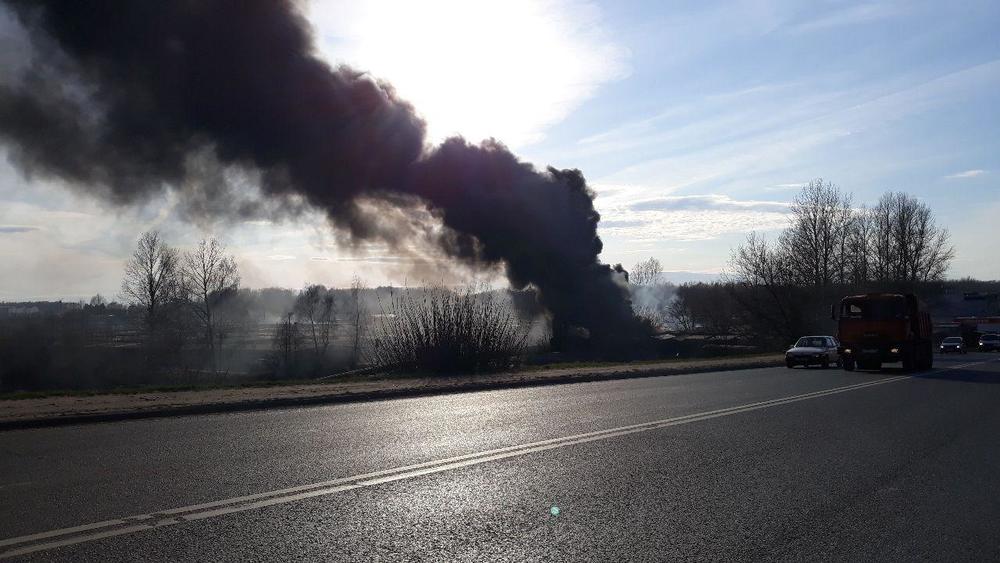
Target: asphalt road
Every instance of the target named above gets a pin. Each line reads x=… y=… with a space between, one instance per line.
x=772 y=464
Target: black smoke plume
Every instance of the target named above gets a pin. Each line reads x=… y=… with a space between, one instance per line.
x=126 y=99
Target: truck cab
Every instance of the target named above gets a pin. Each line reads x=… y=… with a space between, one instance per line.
x=879 y=328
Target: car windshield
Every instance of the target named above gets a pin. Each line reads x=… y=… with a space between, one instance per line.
x=953 y=340
x=811 y=342
x=990 y=337
x=874 y=309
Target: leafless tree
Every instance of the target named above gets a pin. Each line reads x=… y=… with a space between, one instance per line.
x=357 y=316
x=315 y=307
x=860 y=242
x=151 y=277
x=287 y=343
x=815 y=243
x=757 y=263
x=761 y=271
x=210 y=277
x=679 y=313
x=646 y=272
x=910 y=247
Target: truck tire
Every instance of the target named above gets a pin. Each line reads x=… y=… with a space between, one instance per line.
x=930 y=356
x=848 y=365
x=911 y=361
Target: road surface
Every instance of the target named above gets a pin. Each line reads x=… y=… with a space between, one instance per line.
x=773 y=464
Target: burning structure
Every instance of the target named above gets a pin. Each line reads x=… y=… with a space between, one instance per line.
x=126 y=100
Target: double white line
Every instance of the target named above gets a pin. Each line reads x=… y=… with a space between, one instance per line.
x=109 y=528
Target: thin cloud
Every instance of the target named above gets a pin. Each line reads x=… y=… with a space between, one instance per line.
x=621 y=223
x=782 y=187
x=855 y=15
x=14 y=229
x=756 y=152
x=710 y=202
x=690 y=218
x=966 y=174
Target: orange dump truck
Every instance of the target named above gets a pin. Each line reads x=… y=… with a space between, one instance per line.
x=881 y=328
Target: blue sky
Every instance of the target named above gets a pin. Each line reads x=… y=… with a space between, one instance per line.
x=696 y=122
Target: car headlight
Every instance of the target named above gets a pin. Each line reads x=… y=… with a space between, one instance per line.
x=894 y=351
x=847 y=350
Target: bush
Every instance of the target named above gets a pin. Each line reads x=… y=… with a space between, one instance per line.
x=442 y=331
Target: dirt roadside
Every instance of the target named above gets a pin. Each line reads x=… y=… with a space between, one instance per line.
x=64 y=410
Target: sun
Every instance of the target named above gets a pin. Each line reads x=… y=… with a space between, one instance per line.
x=505 y=70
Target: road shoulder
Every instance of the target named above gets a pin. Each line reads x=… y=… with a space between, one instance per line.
x=64 y=410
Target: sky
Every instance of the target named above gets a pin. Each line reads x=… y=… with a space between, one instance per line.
x=694 y=122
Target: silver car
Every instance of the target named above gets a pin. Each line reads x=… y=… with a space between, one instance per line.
x=813 y=351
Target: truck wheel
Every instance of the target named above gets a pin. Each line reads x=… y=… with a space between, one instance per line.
x=930 y=356
x=825 y=364
x=848 y=365
x=910 y=360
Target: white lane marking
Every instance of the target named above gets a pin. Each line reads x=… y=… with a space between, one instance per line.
x=140 y=522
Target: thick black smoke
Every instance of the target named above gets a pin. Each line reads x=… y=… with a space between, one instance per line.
x=127 y=98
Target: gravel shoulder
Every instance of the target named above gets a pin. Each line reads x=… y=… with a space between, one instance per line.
x=63 y=410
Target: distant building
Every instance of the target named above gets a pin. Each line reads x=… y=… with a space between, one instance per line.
x=36 y=308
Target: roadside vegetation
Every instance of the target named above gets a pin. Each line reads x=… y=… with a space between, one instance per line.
x=778 y=288
x=446 y=331
x=183 y=321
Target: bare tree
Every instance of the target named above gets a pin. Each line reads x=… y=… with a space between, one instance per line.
x=287 y=342
x=151 y=277
x=679 y=313
x=315 y=306
x=210 y=277
x=761 y=271
x=357 y=315
x=757 y=263
x=646 y=272
x=860 y=242
x=815 y=242
x=909 y=246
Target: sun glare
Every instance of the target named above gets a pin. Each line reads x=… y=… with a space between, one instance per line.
x=479 y=69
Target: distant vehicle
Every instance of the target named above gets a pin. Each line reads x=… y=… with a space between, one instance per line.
x=989 y=342
x=813 y=351
x=877 y=328
x=953 y=344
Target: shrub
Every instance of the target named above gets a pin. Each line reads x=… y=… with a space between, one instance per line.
x=442 y=331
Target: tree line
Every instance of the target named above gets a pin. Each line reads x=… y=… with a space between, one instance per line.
x=176 y=291
x=830 y=241
x=775 y=290
x=184 y=319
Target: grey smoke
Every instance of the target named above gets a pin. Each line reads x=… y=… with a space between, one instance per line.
x=127 y=100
